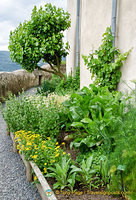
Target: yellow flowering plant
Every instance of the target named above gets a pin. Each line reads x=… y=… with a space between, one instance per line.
x=44 y=153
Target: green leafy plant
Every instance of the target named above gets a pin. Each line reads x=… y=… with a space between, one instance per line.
x=60 y=86
x=36 y=113
x=61 y=172
x=46 y=88
x=104 y=63
x=41 y=38
x=122 y=160
x=95 y=111
x=86 y=174
x=104 y=168
x=71 y=84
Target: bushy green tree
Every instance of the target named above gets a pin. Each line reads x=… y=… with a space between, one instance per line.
x=41 y=38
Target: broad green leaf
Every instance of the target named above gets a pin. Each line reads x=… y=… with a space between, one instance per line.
x=89 y=161
x=86 y=120
x=75 y=169
x=56 y=185
x=77 y=124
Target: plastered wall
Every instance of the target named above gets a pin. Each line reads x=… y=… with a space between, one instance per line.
x=126 y=39
x=71 y=36
x=94 y=20
x=95 y=16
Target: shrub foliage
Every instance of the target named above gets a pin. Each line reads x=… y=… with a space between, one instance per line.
x=41 y=38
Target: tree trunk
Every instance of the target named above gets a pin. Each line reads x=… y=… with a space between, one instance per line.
x=53 y=71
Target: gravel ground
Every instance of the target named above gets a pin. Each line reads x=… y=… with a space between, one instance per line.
x=31 y=91
x=13 y=184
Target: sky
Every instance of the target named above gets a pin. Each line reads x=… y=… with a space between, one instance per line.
x=12 y=12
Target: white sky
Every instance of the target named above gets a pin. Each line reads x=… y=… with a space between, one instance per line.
x=12 y=12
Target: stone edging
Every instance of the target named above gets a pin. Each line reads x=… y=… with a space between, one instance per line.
x=43 y=187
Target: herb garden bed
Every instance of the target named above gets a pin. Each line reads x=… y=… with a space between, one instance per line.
x=83 y=144
x=46 y=188
x=98 y=159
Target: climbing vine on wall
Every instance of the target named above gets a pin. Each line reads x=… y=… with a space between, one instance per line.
x=104 y=63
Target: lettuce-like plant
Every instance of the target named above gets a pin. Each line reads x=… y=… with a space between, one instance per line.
x=86 y=174
x=62 y=173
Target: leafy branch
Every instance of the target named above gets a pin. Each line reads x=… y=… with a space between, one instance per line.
x=104 y=64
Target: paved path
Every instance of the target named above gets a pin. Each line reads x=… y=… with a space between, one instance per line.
x=13 y=184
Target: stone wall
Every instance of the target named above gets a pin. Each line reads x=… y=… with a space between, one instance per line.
x=16 y=81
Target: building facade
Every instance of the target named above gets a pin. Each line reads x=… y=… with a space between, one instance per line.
x=95 y=17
